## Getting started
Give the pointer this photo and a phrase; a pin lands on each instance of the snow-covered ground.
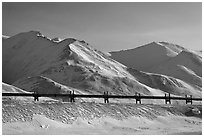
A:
(98, 118)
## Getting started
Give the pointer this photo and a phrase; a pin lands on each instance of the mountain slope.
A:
(186, 66)
(173, 60)
(189, 60)
(166, 83)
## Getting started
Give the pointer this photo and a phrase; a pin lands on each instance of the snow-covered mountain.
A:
(69, 62)
(164, 58)
(142, 58)
(33, 62)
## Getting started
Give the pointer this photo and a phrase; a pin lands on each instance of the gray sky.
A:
(109, 26)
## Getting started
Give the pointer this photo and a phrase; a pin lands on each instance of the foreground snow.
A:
(133, 125)
(49, 117)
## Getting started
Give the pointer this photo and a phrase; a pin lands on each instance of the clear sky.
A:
(108, 26)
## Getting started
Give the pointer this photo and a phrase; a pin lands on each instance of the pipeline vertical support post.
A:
(138, 98)
(106, 97)
(165, 98)
(72, 97)
(168, 99)
(191, 100)
(187, 99)
(36, 97)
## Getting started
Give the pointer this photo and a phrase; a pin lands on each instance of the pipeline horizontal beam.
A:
(99, 96)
